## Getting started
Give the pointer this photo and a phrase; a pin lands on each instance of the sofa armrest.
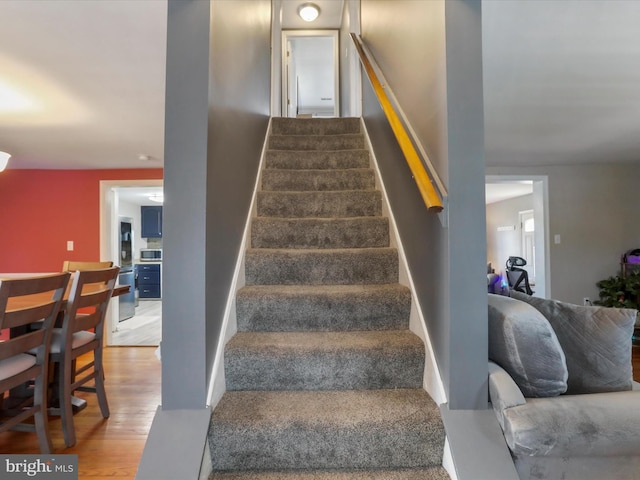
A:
(503, 391)
(595, 424)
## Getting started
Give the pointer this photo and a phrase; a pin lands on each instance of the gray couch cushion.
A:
(595, 340)
(522, 342)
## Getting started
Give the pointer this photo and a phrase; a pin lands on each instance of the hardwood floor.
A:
(107, 448)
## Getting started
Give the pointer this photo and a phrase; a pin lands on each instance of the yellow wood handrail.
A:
(425, 186)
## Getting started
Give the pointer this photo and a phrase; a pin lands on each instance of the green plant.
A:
(620, 291)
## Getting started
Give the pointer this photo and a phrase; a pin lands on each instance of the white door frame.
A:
(286, 36)
(289, 82)
(109, 224)
(530, 267)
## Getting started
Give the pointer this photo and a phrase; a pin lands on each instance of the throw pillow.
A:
(522, 342)
(595, 340)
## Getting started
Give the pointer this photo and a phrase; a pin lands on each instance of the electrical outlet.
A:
(586, 301)
(69, 245)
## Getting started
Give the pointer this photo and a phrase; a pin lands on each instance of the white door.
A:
(290, 78)
(310, 82)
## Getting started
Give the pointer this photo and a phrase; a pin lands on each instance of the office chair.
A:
(517, 277)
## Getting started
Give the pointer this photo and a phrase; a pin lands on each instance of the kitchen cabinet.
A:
(149, 280)
(151, 219)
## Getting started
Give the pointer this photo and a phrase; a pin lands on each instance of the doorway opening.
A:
(123, 199)
(310, 73)
(520, 203)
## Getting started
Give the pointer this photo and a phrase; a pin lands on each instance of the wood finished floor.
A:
(107, 448)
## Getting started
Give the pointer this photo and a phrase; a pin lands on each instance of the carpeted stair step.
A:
(333, 429)
(348, 141)
(316, 159)
(321, 266)
(318, 180)
(314, 126)
(347, 203)
(290, 308)
(324, 360)
(430, 473)
(354, 232)
(324, 379)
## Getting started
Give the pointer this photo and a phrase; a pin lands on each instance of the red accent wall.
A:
(41, 209)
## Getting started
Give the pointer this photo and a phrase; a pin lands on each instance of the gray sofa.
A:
(561, 386)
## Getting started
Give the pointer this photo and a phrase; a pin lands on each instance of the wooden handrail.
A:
(425, 186)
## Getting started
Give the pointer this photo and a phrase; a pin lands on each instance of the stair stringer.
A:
(432, 380)
(217, 384)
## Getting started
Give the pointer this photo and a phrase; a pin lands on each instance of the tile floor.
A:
(143, 329)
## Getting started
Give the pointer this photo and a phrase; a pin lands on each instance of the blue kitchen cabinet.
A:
(151, 219)
(149, 280)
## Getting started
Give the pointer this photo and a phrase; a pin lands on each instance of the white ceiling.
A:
(561, 81)
(560, 78)
(499, 191)
(92, 74)
(138, 195)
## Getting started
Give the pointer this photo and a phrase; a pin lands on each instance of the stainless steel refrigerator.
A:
(127, 275)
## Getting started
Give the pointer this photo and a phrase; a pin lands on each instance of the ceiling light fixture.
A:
(157, 197)
(308, 11)
(4, 159)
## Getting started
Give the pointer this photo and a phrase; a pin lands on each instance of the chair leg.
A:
(66, 411)
(40, 417)
(100, 390)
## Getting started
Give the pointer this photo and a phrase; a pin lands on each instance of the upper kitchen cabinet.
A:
(151, 219)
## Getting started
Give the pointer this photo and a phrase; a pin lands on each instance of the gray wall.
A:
(218, 81)
(430, 53)
(594, 210)
(239, 101)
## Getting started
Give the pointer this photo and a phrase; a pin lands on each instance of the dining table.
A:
(37, 299)
(32, 300)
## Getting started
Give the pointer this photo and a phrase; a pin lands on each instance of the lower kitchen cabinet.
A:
(149, 280)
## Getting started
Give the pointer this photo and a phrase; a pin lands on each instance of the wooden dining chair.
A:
(72, 266)
(82, 333)
(25, 356)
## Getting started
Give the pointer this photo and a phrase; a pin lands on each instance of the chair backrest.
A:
(71, 266)
(519, 280)
(91, 291)
(24, 301)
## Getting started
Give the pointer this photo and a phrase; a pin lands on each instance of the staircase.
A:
(324, 378)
